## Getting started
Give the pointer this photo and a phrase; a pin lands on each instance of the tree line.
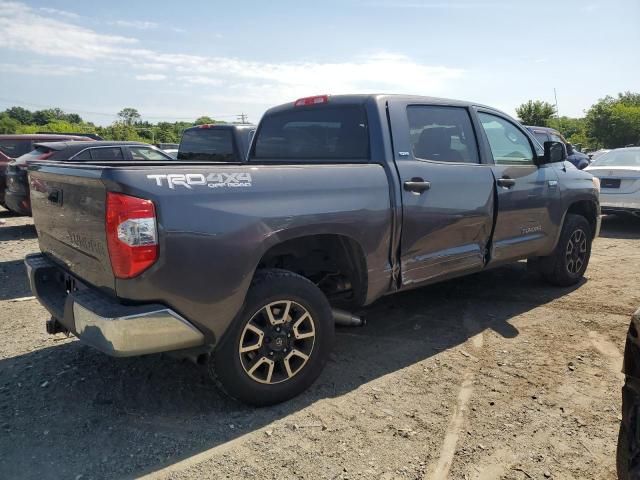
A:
(128, 126)
(611, 122)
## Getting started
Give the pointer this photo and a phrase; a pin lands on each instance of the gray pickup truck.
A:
(342, 200)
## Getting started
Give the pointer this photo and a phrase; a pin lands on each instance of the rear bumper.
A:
(621, 210)
(623, 202)
(100, 321)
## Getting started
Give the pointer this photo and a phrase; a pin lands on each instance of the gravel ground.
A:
(496, 375)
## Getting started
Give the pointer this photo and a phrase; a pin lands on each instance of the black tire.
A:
(231, 368)
(622, 454)
(558, 268)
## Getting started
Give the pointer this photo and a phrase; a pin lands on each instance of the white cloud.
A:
(23, 28)
(152, 77)
(200, 80)
(61, 13)
(43, 69)
(139, 24)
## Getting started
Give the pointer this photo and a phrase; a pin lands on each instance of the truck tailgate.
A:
(69, 213)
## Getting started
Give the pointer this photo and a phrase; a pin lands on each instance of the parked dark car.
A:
(17, 193)
(14, 146)
(216, 143)
(546, 134)
(343, 199)
(628, 453)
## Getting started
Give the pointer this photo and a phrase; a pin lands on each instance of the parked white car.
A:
(619, 174)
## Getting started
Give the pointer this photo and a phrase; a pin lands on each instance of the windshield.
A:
(15, 148)
(619, 158)
(207, 144)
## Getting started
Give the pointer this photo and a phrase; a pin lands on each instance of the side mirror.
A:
(569, 149)
(553, 152)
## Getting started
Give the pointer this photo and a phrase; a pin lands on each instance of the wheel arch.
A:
(336, 263)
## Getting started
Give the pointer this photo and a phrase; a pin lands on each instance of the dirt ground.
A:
(496, 375)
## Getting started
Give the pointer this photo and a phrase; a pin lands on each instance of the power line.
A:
(242, 117)
(112, 115)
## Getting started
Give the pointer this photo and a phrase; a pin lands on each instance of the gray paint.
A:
(212, 239)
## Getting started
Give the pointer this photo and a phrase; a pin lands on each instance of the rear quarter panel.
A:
(212, 238)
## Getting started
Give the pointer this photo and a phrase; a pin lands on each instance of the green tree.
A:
(8, 124)
(204, 120)
(129, 115)
(535, 113)
(20, 114)
(615, 122)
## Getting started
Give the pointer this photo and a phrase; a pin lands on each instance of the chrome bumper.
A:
(98, 320)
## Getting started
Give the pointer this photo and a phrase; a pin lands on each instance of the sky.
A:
(181, 60)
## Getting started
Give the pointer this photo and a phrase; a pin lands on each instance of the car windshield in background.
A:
(207, 144)
(146, 153)
(15, 148)
(321, 133)
(541, 137)
(619, 158)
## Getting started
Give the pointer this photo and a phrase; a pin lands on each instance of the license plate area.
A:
(609, 183)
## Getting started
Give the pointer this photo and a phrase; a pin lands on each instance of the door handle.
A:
(417, 185)
(54, 196)
(506, 182)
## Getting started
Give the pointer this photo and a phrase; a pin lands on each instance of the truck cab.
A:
(216, 142)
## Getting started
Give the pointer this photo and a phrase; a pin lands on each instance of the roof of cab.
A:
(360, 99)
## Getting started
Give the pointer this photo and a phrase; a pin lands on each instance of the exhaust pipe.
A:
(347, 319)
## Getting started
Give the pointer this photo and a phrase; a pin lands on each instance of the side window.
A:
(442, 134)
(146, 153)
(509, 145)
(82, 156)
(107, 154)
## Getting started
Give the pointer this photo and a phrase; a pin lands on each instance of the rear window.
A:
(207, 144)
(15, 148)
(316, 133)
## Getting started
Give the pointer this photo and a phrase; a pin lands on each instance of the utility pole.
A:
(242, 117)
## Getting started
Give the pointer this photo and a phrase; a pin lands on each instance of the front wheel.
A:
(568, 262)
(279, 343)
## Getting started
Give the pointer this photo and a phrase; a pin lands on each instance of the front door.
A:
(526, 193)
(447, 194)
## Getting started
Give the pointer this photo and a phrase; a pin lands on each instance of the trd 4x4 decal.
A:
(211, 180)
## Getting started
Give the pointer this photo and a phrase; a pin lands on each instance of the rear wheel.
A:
(280, 342)
(568, 262)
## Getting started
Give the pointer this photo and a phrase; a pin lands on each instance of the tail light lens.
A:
(306, 101)
(132, 236)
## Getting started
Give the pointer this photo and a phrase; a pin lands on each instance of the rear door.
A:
(528, 196)
(447, 193)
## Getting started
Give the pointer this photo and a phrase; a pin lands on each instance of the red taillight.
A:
(207, 125)
(132, 237)
(301, 102)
